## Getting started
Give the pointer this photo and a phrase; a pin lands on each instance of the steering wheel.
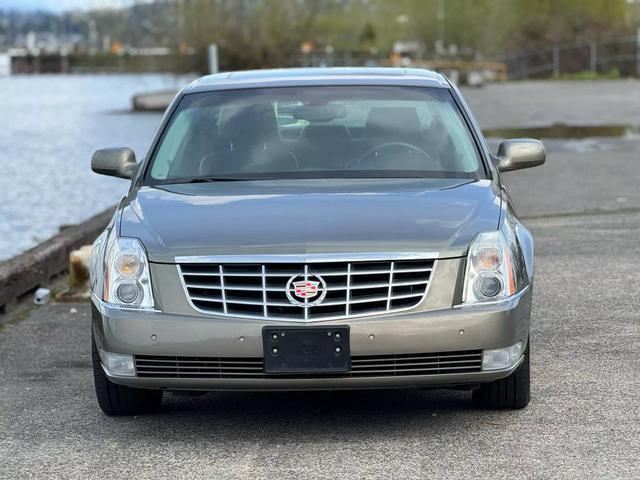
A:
(375, 152)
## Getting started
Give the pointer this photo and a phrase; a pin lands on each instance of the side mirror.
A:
(520, 153)
(115, 162)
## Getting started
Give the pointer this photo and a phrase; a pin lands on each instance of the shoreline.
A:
(22, 274)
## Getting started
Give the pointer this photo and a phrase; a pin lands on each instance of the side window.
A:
(169, 147)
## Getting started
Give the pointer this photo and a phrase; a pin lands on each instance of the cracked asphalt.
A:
(583, 420)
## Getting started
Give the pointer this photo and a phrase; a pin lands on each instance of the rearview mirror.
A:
(115, 162)
(320, 113)
(520, 153)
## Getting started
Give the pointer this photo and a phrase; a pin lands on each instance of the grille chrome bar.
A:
(306, 258)
(265, 308)
(224, 300)
(390, 289)
(332, 289)
(306, 300)
(317, 272)
(353, 288)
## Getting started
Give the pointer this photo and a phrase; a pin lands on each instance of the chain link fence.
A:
(620, 56)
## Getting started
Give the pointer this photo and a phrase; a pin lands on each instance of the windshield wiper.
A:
(213, 179)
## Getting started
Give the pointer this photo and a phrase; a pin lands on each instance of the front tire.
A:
(512, 392)
(117, 399)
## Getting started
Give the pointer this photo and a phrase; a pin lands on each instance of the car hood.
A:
(310, 217)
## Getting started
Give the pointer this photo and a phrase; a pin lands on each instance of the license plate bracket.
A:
(306, 350)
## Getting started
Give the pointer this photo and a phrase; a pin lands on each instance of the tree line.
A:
(272, 33)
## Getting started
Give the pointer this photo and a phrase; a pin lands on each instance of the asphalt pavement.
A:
(542, 103)
(583, 421)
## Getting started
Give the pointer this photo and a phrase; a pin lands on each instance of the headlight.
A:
(490, 272)
(127, 280)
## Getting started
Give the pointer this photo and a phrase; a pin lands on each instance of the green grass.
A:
(588, 75)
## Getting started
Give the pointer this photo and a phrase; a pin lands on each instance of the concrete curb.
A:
(153, 101)
(33, 268)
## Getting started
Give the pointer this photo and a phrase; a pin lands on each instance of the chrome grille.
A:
(417, 364)
(352, 288)
(196, 367)
(361, 366)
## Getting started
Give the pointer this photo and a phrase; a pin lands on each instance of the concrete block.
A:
(26, 272)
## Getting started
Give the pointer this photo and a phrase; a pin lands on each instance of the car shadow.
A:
(349, 414)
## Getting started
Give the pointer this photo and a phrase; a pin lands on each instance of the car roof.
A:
(288, 77)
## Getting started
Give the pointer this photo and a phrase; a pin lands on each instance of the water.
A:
(564, 131)
(49, 126)
(562, 137)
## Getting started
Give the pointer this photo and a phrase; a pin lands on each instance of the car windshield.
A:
(316, 132)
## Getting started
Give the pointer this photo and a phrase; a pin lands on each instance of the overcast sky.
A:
(61, 5)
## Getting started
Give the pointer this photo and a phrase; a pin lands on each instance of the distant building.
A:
(5, 64)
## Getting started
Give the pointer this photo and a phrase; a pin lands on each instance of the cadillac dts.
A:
(312, 229)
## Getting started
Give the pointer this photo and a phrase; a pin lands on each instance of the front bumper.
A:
(446, 330)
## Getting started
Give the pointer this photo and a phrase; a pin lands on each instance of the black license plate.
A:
(309, 350)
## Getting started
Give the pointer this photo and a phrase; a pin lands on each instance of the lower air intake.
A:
(362, 366)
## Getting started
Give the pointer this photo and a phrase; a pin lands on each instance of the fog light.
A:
(129, 292)
(117, 364)
(502, 357)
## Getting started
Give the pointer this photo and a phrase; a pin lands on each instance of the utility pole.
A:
(634, 4)
(638, 52)
(212, 53)
(593, 57)
(180, 14)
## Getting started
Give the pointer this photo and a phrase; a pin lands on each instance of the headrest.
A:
(251, 123)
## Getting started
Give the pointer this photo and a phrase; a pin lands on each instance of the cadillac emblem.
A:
(306, 291)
